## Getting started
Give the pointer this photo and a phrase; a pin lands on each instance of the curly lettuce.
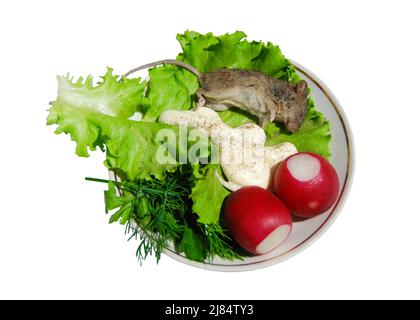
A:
(170, 88)
(98, 116)
(208, 194)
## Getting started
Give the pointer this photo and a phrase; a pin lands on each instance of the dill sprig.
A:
(159, 212)
(220, 244)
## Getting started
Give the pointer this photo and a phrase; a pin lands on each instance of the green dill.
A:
(220, 244)
(158, 213)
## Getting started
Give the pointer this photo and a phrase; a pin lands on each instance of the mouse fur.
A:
(267, 98)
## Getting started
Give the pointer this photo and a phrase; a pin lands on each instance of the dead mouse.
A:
(255, 92)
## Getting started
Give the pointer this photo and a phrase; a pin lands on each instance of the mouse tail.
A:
(178, 63)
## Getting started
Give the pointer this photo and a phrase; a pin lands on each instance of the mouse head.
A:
(297, 106)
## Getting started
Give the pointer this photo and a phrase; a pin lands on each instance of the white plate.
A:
(304, 232)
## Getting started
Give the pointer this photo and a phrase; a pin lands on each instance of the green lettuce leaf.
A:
(207, 194)
(112, 199)
(170, 88)
(112, 96)
(208, 52)
(96, 116)
(193, 245)
(235, 117)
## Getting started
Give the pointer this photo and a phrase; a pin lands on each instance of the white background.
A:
(55, 241)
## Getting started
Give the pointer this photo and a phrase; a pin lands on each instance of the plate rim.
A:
(348, 181)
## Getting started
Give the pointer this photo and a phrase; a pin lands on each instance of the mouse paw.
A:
(200, 100)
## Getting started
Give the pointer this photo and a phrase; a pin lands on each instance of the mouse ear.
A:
(301, 86)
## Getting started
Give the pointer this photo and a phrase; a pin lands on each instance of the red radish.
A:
(257, 219)
(307, 183)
